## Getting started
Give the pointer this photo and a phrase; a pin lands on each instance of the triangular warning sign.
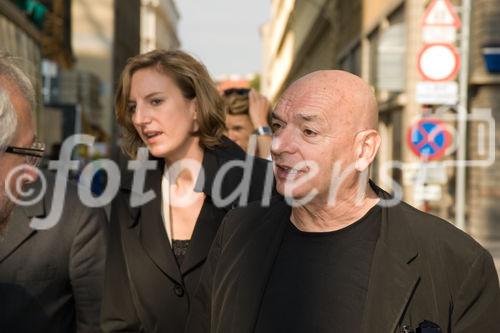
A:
(441, 13)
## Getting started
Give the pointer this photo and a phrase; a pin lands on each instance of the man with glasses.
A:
(50, 280)
(17, 135)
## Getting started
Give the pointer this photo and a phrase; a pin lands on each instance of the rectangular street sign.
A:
(424, 173)
(437, 93)
(428, 193)
(439, 34)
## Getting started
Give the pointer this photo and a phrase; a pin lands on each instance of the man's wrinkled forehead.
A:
(300, 99)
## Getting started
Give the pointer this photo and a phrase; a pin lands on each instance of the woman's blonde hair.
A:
(193, 80)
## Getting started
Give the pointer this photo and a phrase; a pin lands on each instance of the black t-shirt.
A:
(320, 280)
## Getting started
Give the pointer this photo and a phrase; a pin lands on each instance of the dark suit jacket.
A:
(423, 269)
(51, 280)
(145, 291)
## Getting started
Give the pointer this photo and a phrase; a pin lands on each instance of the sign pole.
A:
(460, 184)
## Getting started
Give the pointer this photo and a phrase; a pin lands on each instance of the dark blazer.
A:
(145, 291)
(51, 280)
(423, 269)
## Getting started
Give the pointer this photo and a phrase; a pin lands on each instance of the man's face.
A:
(309, 130)
(12, 171)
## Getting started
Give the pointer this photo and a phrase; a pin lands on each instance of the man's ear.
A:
(367, 143)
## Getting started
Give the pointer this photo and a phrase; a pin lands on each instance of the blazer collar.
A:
(394, 274)
(18, 228)
(213, 160)
(151, 230)
(203, 234)
(211, 216)
(395, 231)
(258, 261)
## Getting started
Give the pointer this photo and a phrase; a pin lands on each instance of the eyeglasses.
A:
(238, 91)
(33, 155)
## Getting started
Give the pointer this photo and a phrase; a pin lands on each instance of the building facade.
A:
(159, 20)
(92, 39)
(34, 33)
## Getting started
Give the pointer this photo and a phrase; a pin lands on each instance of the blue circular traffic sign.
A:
(429, 139)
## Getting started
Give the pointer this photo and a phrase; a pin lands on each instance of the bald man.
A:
(335, 253)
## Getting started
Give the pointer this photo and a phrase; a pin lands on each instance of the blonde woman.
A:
(167, 103)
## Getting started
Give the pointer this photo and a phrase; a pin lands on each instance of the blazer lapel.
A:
(152, 232)
(394, 275)
(18, 229)
(258, 260)
(203, 235)
(210, 216)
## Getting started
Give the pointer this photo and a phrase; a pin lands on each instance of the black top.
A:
(320, 279)
(180, 247)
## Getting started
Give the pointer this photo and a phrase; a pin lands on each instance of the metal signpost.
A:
(462, 117)
(439, 63)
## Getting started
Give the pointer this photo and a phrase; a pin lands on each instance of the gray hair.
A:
(8, 120)
(12, 73)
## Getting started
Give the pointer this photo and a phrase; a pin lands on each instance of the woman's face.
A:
(161, 115)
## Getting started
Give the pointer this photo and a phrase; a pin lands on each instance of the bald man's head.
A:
(349, 99)
(327, 121)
